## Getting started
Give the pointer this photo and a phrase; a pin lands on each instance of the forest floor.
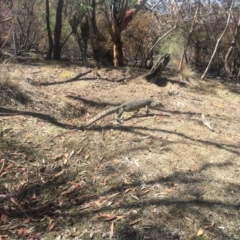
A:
(165, 175)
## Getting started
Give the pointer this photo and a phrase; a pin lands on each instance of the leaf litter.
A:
(155, 171)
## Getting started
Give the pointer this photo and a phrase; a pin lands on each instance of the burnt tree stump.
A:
(154, 74)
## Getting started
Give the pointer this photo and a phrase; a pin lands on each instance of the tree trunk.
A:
(84, 36)
(121, 16)
(227, 67)
(117, 45)
(57, 31)
(154, 74)
(15, 43)
(94, 22)
(188, 42)
(218, 41)
(118, 53)
(50, 40)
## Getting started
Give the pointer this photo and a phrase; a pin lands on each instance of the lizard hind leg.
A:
(136, 112)
(147, 110)
(120, 112)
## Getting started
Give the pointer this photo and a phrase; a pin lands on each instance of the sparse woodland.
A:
(198, 34)
(173, 173)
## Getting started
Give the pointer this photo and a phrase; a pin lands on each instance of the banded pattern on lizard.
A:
(130, 106)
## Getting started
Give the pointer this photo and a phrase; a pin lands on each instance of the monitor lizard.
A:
(130, 106)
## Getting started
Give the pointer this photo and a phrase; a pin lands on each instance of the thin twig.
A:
(2, 165)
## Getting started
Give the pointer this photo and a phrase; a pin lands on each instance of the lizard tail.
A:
(101, 115)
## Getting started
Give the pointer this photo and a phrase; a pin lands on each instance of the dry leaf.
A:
(126, 181)
(218, 106)
(59, 237)
(59, 173)
(22, 232)
(117, 161)
(206, 122)
(160, 149)
(58, 156)
(93, 179)
(200, 232)
(189, 219)
(65, 161)
(72, 152)
(87, 155)
(99, 204)
(154, 210)
(27, 220)
(112, 230)
(144, 192)
(51, 226)
(104, 182)
(4, 218)
(209, 225)
(71, 189)
(169, 190)
(109, 217)
(4, 173)
(9, 166)
(14, 201)
(91, 235)
(135, 221)
(213, 234)
(113, 195)
(37, 235)
(79, 151)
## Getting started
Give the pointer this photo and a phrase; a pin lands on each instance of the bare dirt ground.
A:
(159, 176)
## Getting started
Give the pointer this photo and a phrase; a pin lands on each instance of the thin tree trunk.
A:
(50, 40)
(188, 41)
(147, 51)
(230, 50)
(94, 22)
(218, 41)
(15, 44)
(57, 31)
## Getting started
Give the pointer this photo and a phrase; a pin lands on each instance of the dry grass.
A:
(13, 90)
(162, 176)
(187, 74)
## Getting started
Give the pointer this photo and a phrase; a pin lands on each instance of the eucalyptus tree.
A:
(118, 19)
(69, 11)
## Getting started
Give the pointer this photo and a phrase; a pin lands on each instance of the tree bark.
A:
(57, 31)
(94, 22)
(117, 45)
(50, 40)
(120, 18)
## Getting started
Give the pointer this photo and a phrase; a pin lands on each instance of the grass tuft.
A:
(187, 74)
(13, 91)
